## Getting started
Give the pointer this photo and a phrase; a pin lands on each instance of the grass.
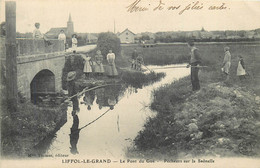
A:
(212, 55)
(26, 128)
(211, 122)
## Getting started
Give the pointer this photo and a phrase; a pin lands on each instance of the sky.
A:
(94, 16)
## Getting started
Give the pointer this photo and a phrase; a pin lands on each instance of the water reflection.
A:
(113, 132)
(89, 98)
(74, 133)
(105, 97)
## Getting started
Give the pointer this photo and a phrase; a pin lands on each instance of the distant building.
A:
(127, 36)
(69, 30)
(249, 34)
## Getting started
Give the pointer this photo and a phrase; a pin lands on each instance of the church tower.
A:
(70, 27)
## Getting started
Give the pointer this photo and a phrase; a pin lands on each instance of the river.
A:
(109, 136)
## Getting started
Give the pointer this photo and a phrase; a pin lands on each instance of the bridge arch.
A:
(42, 83)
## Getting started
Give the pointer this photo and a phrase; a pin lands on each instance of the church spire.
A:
(70, 27)
(70, 20)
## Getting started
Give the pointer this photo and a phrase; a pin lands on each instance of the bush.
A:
(72, 63)
(108, 41)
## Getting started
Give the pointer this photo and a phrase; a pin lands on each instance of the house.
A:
(250, 34)
(127, 36)
(69, 30)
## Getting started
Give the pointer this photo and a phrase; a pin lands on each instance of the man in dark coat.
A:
(195, 60)
(134, 56)
(72, 90)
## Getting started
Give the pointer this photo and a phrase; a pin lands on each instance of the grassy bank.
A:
(23, 130)
(222, 119)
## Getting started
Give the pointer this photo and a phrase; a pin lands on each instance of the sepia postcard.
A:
(130, 83)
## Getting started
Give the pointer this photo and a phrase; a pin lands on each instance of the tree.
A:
(108, 41)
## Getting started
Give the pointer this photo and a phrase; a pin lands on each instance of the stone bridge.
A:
(39, 66)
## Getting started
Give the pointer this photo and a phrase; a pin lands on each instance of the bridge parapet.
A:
(26, 46)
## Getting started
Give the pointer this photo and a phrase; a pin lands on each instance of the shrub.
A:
(108, 41)
(72, 63)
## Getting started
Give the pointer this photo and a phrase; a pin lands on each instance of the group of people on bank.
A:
(241, 69)
(195, 61)
(96, 65)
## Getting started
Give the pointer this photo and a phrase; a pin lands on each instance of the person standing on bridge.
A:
(62, 37)
(195, 60)
(74, 43)
(72, 89)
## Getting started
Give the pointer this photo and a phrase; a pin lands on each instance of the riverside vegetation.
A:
(222, 119)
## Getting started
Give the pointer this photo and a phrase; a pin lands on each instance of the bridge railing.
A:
(26, 46)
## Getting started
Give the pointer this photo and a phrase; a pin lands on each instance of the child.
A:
(241, 72)
(87, 66)
(139, 62)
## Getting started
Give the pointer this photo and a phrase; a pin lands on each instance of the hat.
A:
(71, 75)
(226, 48)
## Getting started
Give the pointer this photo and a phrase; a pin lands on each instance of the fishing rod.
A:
(181, 67)
(86, 90)
(98, 117)
(143, 65)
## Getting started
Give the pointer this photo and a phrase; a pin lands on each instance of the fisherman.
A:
(226, 63)
(195, 60)
(139, 62)
(134, 56)
(72, 89)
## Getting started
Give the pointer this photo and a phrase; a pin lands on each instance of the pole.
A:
(11, 64)
(180, 67)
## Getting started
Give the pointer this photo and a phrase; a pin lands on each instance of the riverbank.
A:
(220, 120)
(24, 130)
(213, 122)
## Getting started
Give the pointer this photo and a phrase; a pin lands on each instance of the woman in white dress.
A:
(111, 71)
(241, 71)
(87, 66)
(74, 43)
